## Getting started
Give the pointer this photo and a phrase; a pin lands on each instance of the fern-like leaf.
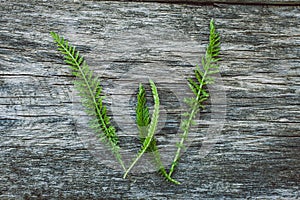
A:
(143, 118)
(143, 121)
(151, 128)
(203, 77)
(142, 111)
(90, 91)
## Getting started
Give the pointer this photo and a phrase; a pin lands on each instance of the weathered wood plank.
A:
(43, 152)
(258, 2)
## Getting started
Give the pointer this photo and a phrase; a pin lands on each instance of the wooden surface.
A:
(253, 2)
(42, 152)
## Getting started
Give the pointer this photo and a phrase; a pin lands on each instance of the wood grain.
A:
(43, 154)
(216, 2)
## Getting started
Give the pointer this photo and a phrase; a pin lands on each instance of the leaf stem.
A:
(203, 78)
(186, 131)
(87, 84)
(151, 129)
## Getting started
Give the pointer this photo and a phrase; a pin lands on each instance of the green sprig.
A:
(151, 128)
(143, 121)
(143, 117)
(203, 77)
(90, 92)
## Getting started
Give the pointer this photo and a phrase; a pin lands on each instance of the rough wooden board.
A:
(42, 155)
(216, 2)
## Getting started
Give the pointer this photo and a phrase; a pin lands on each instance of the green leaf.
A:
(89, 89)
(143, 120)
(151, 129)
(203, 77)
(142, 111)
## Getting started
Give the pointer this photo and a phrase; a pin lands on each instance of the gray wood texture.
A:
(44, 153)
(258, 2)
